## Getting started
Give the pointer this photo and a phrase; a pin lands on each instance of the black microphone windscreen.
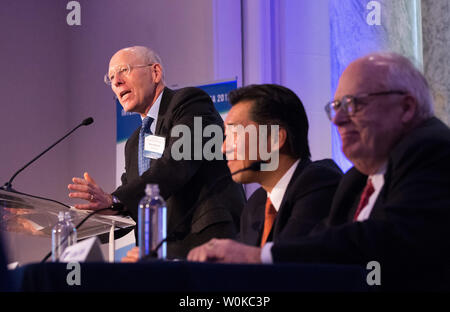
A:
(87, 121)
(256, 166)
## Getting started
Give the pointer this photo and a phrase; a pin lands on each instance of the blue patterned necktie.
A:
(144, 162)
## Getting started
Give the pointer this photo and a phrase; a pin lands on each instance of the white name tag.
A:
(87, 250)
(154, 146)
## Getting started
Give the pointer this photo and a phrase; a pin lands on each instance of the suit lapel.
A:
(163, 110)
(131, 153)
(298, 171)
(257, 220)
(346, 197)
(133, 141)
(284, 211)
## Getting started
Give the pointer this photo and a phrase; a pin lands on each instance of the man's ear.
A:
(282, 137)
(409, 108)
(157, 73)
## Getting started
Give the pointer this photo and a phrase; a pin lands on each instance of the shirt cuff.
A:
(266, 253)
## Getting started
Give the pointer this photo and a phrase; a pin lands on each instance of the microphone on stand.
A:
(8, 185)
(256, 166)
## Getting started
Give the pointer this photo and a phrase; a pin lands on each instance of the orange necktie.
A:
(269, 218)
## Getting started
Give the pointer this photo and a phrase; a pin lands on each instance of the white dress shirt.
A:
(377, 182)
(277, 194)
(153, 112)
(276, 197)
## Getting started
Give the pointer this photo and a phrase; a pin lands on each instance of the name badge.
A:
(154, 146)
(85, 251)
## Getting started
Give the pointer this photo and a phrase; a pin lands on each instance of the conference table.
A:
(183, 277)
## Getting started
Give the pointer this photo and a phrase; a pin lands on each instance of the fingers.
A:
(82, 195)
(207, 252)
(77, 187)
(85, 189)
(90, 206)
(133, 252)
(132, 255)
(89, 179)
(79, 181)
(80, 186)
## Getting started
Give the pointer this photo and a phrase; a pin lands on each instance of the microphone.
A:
(8, 185)
(87, 121)
(256, 166)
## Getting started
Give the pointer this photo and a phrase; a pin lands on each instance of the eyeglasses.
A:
(349, 103)
(122, 70)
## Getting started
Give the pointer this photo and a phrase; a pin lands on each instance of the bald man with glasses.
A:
(136, 77)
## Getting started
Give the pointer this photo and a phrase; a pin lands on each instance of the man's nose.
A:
(224, 147)
(228, 148)
(341, 117)
(117, 80)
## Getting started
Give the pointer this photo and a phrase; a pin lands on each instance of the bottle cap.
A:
(152, 189)
(61, 216)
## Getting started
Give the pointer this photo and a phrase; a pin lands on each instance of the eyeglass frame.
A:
(336, 105)
(129, 67)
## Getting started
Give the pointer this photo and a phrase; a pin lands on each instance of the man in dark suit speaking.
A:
(393, 207)
(136, 77)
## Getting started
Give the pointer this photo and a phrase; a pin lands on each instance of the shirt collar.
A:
(380, 172)
(277, 194)
(378, 178)
(153, 112)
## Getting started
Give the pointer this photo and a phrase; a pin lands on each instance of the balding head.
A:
(136, 77)
(142, 54)
(392, 71)
(389, 97)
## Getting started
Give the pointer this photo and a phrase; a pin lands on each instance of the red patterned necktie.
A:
(269, 219)
(368, 190)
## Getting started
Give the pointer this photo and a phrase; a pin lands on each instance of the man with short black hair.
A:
(295, 193)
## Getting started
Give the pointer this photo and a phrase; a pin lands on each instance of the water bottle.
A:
(152, 222)
(64, 234)
(71, 230)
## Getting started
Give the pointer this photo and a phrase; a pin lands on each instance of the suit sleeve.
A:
(169, 173)
(415, 204)
(311, 201)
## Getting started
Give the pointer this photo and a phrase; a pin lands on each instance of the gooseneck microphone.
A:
(256, 166)
(8, 185)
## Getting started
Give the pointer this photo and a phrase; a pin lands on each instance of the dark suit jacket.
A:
(183, 182)
(410, 221)
(305, 203)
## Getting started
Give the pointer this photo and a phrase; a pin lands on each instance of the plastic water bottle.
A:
(152, 222)
(71, 229)
(64, 234)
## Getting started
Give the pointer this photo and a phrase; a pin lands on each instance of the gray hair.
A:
(403, 75)
(149, 56)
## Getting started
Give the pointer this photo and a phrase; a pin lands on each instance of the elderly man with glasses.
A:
(136, 77)
(393, 206)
